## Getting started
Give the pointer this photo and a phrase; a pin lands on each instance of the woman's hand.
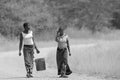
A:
(20, 53)
(37, 51)
(69, 53)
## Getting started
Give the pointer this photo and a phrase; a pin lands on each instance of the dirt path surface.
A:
(12, 68)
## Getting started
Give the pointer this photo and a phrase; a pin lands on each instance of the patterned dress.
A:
(62, 55)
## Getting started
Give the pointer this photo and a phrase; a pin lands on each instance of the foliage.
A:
(48, 15)
(116, 20)
(13, 13)
(91, 14)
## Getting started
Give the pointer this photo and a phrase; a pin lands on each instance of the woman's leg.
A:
(63, 69)
(58, 60)
(64, 63)
(28, 58)
(68, 71)
(31, 56)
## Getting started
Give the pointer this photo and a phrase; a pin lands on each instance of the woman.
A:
(62, 54)
(27, 41)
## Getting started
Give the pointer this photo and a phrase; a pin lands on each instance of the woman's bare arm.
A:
(56, 38)
(35, 45)
(68, 46)
(20, 44)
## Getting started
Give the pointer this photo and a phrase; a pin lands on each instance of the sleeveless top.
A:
(27, 38)
(62, 41)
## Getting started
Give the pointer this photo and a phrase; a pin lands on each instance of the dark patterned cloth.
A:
(28, 58)
(62, 61)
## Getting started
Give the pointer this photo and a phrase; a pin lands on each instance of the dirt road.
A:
(12, 68)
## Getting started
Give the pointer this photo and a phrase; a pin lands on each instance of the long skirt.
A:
(28, 58)
(62, 61)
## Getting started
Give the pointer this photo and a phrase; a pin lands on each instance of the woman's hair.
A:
(25, 24)
(60, 29)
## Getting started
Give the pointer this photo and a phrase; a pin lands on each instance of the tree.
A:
(91, 14)
(116, 20)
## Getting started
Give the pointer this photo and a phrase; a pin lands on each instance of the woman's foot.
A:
(29, 76)
(68, 73)
(63, 76)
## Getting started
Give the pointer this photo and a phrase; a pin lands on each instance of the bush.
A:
(50, 14)
(116, 20)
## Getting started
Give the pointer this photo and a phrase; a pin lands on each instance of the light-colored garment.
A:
(62, 41)
(27, 38)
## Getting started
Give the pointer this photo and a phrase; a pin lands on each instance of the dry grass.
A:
(99, 58)
(13, 45)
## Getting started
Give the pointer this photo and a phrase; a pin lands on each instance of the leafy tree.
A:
(116, 20)
(91, 14)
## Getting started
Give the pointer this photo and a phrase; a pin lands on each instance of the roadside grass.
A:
(76, 37)
(101, 58)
